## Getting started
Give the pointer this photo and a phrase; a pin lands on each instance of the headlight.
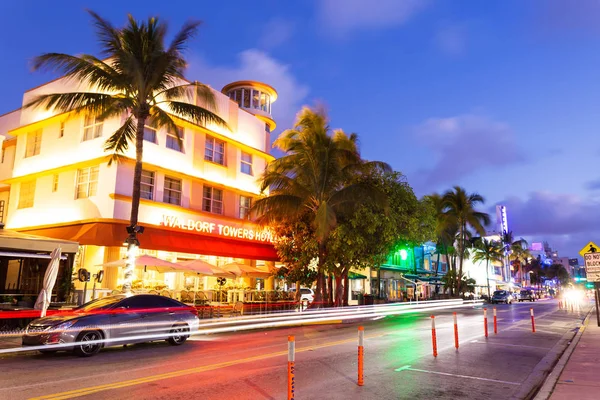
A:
(65, 325)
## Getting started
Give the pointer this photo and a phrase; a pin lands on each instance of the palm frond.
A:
(109, 37)
(276, 208)
(94, 103)
(118, 142)
(196, 114)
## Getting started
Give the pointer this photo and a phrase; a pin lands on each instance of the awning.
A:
(354, 275)
(160, 238)
(16, 241)
(15, 254)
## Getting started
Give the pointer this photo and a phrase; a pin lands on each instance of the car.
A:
(526, 294)
(306, 295)
(111, 321)
(502, 296)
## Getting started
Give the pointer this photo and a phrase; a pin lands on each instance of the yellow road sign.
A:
(591, 247)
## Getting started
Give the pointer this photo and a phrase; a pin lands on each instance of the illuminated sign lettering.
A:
(255, 234)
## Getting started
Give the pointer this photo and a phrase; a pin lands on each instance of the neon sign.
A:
(237, 232)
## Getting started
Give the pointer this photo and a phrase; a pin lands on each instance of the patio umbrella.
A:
(245, 271)
(43, 300)
(200, 267)
(149, 263)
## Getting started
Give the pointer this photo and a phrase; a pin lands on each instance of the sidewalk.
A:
(579, 379)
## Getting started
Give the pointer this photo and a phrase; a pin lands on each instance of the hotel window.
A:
(212, 200)
(150, 131)
(62, 130)
(215, 150)
(246, 163)
(172, 192)
(245, 204)
(246, 103)
(173, 142)
(147, 185)
(26, 194)
(34, 143)
(92, 128)
(87, 182)
(54, 183)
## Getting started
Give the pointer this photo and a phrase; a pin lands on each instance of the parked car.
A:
(114, 320)
(526, 294)
(502, 296)
(306, 295)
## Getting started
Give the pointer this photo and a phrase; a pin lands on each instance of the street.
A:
(252, 365)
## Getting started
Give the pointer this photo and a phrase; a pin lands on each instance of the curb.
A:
(544, 370)
(548, 386)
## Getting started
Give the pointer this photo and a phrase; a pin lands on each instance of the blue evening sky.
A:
(499, 96)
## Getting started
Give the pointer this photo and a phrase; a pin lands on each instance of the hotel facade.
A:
(56, 181)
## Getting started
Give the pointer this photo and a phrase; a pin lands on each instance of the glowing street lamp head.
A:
(403, 254)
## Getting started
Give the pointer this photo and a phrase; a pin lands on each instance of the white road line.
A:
(511, 345)
(408, 368)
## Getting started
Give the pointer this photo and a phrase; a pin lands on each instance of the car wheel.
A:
(87, 349)
(178, 335)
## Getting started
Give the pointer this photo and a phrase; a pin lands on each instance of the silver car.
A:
(111, 321)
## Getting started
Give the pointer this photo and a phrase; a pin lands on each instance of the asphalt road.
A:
(253, 365)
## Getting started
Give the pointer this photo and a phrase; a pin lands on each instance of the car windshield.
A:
(100, 304)
(499, 292)
(524, 291)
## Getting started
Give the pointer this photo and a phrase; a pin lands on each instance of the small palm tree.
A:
(315, 178)
(519, 256)
(510, 243)
(489, 251)
(140, 79)
(460, 211)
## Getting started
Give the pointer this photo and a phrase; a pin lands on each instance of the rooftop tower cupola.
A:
(254, 97)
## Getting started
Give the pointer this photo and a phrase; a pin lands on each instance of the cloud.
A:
(566, 221)
(560, 16)
(276, 32)
(340, 17)
(593, 185)
(260, 66)
(464, 144)
(451, 40)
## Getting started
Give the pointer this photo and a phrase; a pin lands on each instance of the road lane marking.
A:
(175, 374)
(408, 368)
(512, 345)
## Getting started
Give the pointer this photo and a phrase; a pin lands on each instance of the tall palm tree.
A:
(314, 177)
(509, 243)
(460, 211)
(444, 231)
(488, 251)
(139, 79)
(519, 256)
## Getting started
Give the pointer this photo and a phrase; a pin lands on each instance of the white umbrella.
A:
(243, 270)
(149, 263)
(43, 300)
(201, 267)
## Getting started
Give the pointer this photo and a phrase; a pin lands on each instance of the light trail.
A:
(273, 322)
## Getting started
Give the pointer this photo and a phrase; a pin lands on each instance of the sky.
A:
(501, 97)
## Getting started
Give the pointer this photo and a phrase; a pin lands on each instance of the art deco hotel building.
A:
(56, 182)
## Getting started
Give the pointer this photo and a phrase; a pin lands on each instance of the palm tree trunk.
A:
(135, 204)
(487, 277)
(329, 290)
(461, 256)
(339, 291)
(320, 292)
(346, 287)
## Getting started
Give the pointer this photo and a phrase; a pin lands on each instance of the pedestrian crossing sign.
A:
(591, 247)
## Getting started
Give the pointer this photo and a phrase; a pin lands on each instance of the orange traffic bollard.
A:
(433, 336)
(291, 372)
(495, 322)
(532, 321)
(485, 327)
(455, 331)
(361, 355)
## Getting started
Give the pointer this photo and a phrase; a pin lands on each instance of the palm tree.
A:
(509, 243)
(460, 211)
(488, 251)
(139, 79)
(314, 177)
(519, 256)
